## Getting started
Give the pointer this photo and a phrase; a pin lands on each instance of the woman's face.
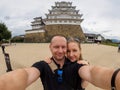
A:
(73, 51)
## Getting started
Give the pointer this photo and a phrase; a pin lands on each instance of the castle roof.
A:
(63, 11)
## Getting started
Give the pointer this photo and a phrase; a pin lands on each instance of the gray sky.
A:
(100, 16)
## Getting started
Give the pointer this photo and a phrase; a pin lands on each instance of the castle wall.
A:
(35, 37)
(63, 19)
(66, 30)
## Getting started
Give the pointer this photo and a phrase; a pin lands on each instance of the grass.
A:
(110, 44)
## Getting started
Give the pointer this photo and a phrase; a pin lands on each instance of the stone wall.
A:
(35, 37)
(66, 30)
(51, 30)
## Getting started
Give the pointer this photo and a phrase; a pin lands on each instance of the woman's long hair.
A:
(75, 40)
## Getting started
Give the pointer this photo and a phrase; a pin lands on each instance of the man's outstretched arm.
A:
(33, 74)
(18, 79)
(99, 76)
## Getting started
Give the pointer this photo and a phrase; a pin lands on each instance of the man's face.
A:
(58, 47)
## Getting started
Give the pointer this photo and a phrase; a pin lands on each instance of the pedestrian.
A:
(3, 48)
(119, 47)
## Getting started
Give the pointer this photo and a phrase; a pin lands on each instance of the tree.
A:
(4, 32)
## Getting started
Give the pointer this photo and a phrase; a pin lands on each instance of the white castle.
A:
(63, 13)
(63, 19)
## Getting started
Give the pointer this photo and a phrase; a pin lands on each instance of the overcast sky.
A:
(100, 16)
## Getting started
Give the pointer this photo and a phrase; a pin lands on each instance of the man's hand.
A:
(83, 62)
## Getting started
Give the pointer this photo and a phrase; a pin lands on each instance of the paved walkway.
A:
(24, 55)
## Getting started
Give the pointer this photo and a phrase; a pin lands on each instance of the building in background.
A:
(93, 38)
(37, 33)
(63, 19)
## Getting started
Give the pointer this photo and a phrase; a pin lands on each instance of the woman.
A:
(74, 54)
(74, 50)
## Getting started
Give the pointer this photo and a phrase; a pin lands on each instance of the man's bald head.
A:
(58, 39)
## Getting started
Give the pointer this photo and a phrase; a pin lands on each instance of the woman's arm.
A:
(48, 60)
(84, 83)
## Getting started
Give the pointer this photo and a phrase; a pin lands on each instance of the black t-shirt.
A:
(67, 80)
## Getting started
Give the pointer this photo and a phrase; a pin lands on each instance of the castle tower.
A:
(64, 19)
(37, 33)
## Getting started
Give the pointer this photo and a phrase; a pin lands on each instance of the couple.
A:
(74, 55)
(65, 77)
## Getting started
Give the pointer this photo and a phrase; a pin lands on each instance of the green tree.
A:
(4, 32)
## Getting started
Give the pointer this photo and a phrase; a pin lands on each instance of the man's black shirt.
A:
(70, 77)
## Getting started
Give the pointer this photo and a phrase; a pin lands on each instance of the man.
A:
(59, 78)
